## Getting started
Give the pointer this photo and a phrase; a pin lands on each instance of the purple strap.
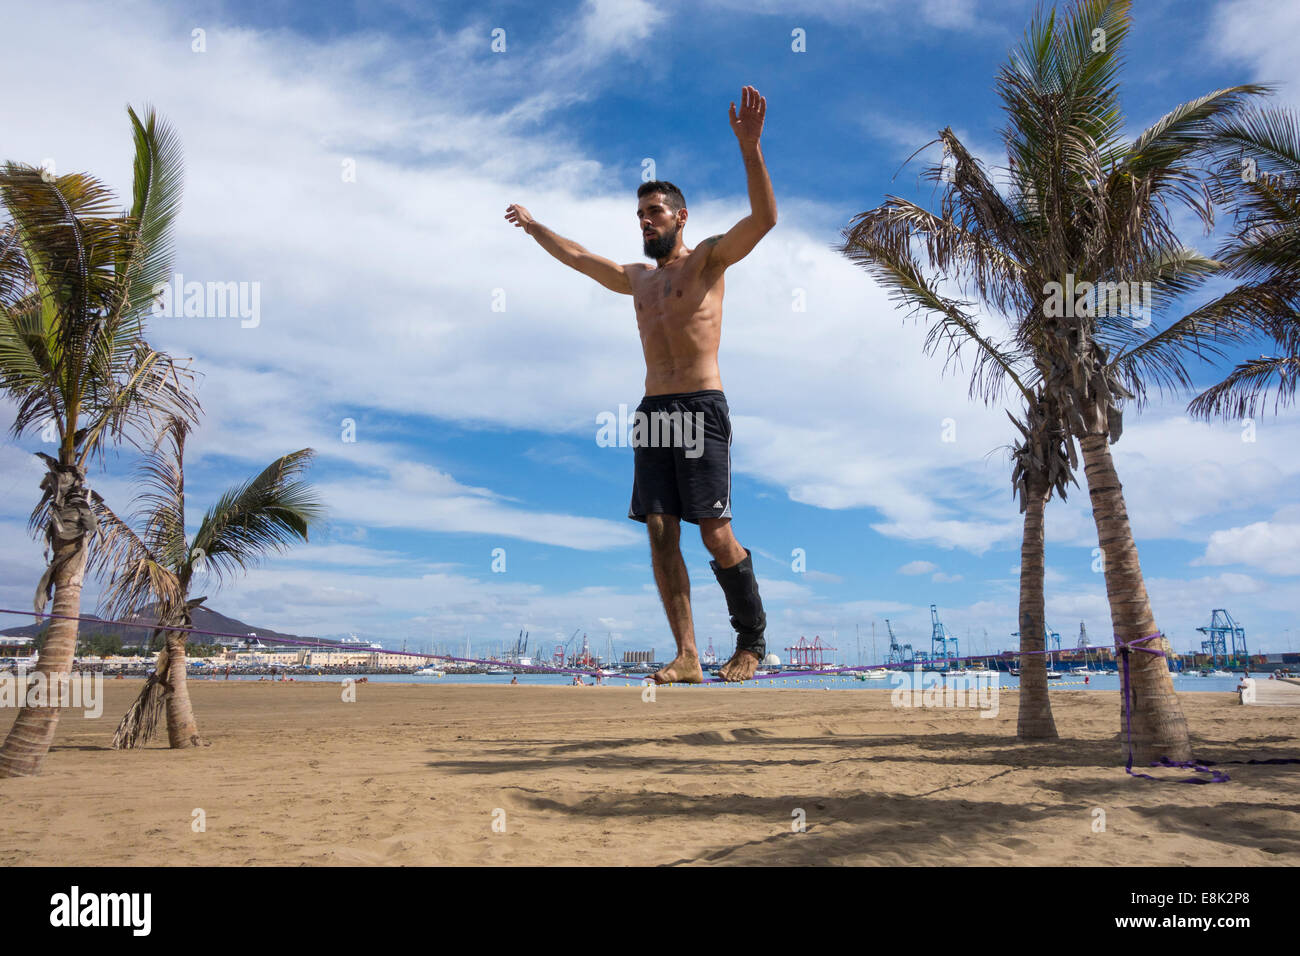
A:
(1125, 649)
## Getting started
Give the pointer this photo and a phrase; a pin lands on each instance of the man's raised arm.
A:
(728, 249)
(609, 274)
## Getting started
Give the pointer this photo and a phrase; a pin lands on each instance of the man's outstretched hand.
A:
(519, 216)
(748, 126)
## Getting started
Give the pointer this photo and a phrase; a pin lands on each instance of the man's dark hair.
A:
(676, 201)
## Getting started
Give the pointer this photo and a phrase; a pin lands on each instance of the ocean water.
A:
(1109, 682)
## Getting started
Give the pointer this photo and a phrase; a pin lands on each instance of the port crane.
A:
(941, 645)
(898, 653)
(1224, 631)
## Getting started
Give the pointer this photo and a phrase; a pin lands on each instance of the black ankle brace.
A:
(743, 603)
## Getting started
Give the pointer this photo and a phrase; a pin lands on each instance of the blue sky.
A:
(475, 428)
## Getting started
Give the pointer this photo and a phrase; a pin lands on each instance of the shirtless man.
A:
(679, 315)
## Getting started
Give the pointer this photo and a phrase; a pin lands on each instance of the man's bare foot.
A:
(684, 669)
(741, 666)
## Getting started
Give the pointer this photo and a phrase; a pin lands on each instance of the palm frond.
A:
(1238, 395)
(1268, 136)
(266, 513)
(1190, 129)
(140, 387)
(139, 577)
(881, 248)
(996, 276)
(145, 256)
(161, 501)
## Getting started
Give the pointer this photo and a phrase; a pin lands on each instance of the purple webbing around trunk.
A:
(1125, 649)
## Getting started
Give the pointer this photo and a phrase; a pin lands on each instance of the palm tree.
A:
(153, 568)
(1259, 175)
(76, 284)
(1044, 462)
(1082, 203)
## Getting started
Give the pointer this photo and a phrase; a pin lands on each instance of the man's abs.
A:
(680, 330)
(666, 378)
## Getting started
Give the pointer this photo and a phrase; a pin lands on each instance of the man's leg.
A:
(735, 573)
(675, 591)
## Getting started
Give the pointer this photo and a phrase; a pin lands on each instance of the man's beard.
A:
(660, 246)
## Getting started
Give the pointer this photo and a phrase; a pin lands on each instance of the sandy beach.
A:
(418, 774)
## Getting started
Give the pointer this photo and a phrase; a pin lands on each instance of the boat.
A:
(1218, 673)
(876, 673)
(430, 672)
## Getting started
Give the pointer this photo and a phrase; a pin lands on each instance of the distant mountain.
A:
(204, 620)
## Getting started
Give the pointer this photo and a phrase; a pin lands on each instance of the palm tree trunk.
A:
(32, 734)
(1158, 725)
(182, 731)
(1035, 714)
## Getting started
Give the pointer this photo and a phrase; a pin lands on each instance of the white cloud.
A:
(1255, 31)
(918, 567)
(1269, 546)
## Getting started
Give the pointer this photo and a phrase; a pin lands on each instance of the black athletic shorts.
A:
(682, 449)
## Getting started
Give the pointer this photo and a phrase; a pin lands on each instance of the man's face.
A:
(658, 224)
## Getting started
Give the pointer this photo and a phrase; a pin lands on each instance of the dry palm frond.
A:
(140, 722)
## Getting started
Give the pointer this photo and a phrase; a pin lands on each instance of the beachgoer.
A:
(682, 429)
(514, 680)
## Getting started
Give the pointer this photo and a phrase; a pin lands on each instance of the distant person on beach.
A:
(514, 680)
(683, 458)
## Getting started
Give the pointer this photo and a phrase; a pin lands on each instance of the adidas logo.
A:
(717, 504)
